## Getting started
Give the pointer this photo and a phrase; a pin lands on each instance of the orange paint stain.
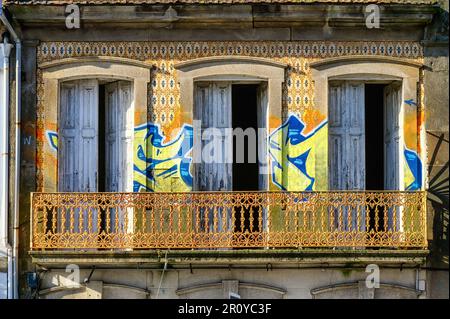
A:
(410, 131)
(312, 118)
(274, 123)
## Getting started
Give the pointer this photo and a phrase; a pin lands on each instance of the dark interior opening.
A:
(374, 136)
(244, 114)
(101, 183)
(245, 175)
(374, 123)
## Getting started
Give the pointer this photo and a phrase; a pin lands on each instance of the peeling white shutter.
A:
(88, 148)
(262, 104)
(78, 148)
(392, 147)
(112, 137)
(68, 138)
(393, 150)
(263, 181)
(119, 149)
(346, 147)
(203, 100)
(119, 137)
(346, 136)
(126, 136)
(213, 109)
(78, 136)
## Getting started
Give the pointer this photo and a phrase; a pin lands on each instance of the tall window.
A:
(364, 136)
(96, 122)
(365, 147)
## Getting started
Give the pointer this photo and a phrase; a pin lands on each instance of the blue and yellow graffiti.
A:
(53, 140)
(166, 166)
(413, 171)
(293, 157)
(293, 154)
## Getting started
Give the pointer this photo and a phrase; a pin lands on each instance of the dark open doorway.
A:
(374, 124)
(101, 139)
(245, 111)
(101, 152)
(246, 174)
(374, 136)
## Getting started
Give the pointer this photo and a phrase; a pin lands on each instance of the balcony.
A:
(213, 220)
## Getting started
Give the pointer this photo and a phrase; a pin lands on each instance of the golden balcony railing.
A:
(228, 220)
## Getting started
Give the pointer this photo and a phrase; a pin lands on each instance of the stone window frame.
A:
(58, 71)
(231, 68)
(238, 69)
(363, 292)
(368, 69)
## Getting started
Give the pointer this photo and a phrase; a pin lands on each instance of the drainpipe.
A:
(4, 160)
(15, 250)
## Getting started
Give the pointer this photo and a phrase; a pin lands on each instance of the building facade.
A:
(110, 195)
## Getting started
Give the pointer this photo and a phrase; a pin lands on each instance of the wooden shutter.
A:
(119, 137)
(89, 135)
(78, 148)
(393, 150)
(213, 110)
(118, 147)
(126, 126)
(346, 136)
(392, 147)
(78, 141)
(346, 147)
(68, 138)
(262, 104)
(111, 138)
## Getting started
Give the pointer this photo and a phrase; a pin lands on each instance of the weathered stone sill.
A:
(271, 258)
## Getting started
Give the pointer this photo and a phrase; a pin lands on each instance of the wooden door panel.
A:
(392, 134)
(213, 110)
(346, 136)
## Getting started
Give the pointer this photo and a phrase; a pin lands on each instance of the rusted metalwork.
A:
(228, 220)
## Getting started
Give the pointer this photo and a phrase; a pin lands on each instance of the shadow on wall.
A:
(438, 193)
(437, 140)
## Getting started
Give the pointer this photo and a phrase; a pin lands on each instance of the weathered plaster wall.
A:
(437, 137)
(28, 166)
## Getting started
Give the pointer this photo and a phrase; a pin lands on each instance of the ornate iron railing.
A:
(228, 220)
